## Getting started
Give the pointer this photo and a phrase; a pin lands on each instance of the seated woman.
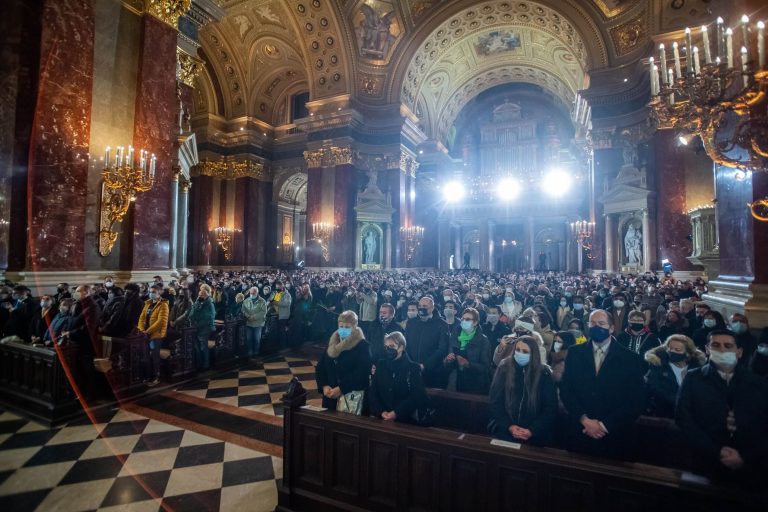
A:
(469, 357)
(523, 401)
(345, 366)
(397, 391)
(669, 363)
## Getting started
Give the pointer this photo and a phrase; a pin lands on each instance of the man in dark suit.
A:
(602, 389)
(425, 335)
(380, 329)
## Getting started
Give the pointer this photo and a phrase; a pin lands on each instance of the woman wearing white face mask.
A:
(510, 308)
(523, 399)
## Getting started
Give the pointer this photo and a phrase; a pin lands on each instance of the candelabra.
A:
(411, 236)
(123, 180)
(224, 237)
(583, 231)
(323, 233)
(725, 104)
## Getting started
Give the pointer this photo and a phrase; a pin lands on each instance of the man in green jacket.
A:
(255, 313)
(201, 317)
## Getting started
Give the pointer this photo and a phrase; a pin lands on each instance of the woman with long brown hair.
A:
(523, 400)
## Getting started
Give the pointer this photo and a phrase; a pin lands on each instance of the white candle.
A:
(142, 161)
(744, 30)
(106, 157)
(119, 162)
(129, 163)
(688, 51)
(729, 47)
(720, 38)
(652, 68)
(761, 44)
(705, 42)
(671, 81)
(152, 167)
(696, 62)
(663, 63)
(745, 76)
(655, 81)
(676, 53)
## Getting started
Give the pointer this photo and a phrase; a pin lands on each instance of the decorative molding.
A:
(615, 8)
(371, 85)
(628, 36)
(408, 164)
(376, 161)
(168, 11)
(328, 157)
(226, 169)
(188, 68)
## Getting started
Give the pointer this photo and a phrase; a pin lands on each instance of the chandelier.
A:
(323, 233)
(583, 231)
(123, 180)
(411, 237)
(224, 237)
(723, 101)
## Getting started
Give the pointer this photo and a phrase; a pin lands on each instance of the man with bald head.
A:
(426, 336)
(602, 389)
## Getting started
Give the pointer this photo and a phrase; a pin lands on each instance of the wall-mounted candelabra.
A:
(722, 101)
(411, 237)
(123, 179)
(323, 233)
(224, 238)
(583, 231)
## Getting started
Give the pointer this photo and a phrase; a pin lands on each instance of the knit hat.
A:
(524, 322)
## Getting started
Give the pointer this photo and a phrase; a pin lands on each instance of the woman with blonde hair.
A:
(343, 371)
(669, 364)
(523, 400)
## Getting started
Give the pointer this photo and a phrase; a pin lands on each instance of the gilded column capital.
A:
(184, 185)
(167, 11)
(231, 170)
(187, 67)
(175, 173)
(408, 164)
(328, 156)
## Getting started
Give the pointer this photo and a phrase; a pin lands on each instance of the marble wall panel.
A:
(396, 183)
(345, 196)
(239, 213)
(672, 223)
(59, 146)
(155, 130)
(200, 202)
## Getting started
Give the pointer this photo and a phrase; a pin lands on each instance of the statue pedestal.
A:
(373, 236)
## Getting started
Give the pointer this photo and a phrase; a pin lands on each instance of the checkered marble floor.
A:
(121, 460)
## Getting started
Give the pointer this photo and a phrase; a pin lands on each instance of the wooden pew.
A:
(33, 381)
(335, 461)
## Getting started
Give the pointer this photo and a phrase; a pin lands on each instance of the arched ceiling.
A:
(489, 44)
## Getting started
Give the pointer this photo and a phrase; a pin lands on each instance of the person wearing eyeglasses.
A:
(468, 358)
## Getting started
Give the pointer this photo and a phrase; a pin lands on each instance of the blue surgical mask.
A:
(709, 323)
(739, 327)
(522, 359)
(345, 332)
(152, 296)
(466, 325)
(578, 306)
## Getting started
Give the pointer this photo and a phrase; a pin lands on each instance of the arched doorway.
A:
(292, 219)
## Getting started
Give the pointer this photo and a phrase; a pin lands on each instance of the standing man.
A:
(603, 390)
(154, 323)
(255, 313)
(202, 317)
(426, 336)
(381, 329)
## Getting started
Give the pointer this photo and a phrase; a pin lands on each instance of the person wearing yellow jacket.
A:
(154, 323)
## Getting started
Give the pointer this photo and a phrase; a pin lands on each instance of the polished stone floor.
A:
(212, 444)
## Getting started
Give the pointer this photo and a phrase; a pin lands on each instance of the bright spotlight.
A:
(508, 189)
(556, 183)
(453, 191)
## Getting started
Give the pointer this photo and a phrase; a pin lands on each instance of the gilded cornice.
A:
(188, 67)
(328, 157)
(629, 36)
(231, 170)
(167, 11)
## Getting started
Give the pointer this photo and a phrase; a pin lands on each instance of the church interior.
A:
(470, 176)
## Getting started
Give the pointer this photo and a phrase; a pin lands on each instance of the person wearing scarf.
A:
(468, 358)
(346, 364)
(638, 337)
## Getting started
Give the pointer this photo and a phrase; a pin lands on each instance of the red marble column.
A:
(58, 150)
(198, 233)
(672, 223)
(239, 247)
(155, 129)
(397, 185)
(345, 195)
(314, 212)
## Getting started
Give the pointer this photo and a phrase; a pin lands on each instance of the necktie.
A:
(598, 359)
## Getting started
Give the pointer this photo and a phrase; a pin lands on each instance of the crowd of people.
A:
(566, 360)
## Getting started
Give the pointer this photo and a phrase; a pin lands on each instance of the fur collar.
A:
(336, 345)
(658, 356)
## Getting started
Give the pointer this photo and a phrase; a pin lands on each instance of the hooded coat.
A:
(661, 382)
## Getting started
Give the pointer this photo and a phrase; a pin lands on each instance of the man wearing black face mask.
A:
(381, 329)
(602, 389)
(426, 334)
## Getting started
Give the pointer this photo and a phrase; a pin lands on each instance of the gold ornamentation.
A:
(184, 185)
(376, 162)
(370, 84)
(408, 164)
(168, 11)
(187, 67)
(231, 170)
(328, 157)
(224, 237)
(612, 8)
(759, 209)
(628, 36)
(323, 232)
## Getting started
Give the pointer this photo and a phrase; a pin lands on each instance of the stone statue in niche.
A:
(633, 244)
(369, 246)
(374, 35)
(629, 153)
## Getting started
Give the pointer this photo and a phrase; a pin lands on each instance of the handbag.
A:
(351, 403)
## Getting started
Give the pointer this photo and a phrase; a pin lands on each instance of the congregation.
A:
(567, 360)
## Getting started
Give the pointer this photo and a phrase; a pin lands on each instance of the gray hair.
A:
(397, 337)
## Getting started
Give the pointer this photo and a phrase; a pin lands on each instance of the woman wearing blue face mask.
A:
(712, 321)
(343, 371)
(523, 401)
(468, 356)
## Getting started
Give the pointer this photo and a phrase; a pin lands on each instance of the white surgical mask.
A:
(618, 303)
(724, 359)
(558, 346)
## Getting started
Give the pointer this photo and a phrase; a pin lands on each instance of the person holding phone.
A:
(468, 358)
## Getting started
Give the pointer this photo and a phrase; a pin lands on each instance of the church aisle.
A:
(213, 444)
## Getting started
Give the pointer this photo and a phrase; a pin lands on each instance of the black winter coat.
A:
(376, 333)
(702, 411)
(397, 386)
(475, 378)
(638, 343)
(425, 341)
(350, 371)
(661, 383)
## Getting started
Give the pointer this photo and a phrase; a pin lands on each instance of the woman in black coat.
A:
(346, 363)
(668, 364)
(712, 321)
(469, 357)
(397, 390)
(523, 401)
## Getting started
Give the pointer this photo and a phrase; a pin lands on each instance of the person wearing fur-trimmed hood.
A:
(668, 365)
